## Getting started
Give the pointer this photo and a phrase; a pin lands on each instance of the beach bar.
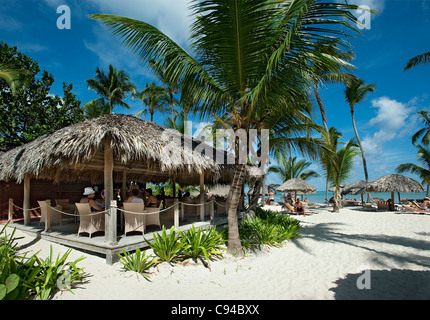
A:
(106, 150)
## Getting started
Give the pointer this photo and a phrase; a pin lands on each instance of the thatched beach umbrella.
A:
(394, 183)
(358, 187)
(296, 185)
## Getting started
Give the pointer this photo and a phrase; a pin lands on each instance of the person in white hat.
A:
(90, 195)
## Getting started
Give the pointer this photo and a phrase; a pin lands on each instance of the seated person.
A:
(186, 197)
(134, 198)
(90, 195)
(299, 207)
(151, 201)
(425, 204)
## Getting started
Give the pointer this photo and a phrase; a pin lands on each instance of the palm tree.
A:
(290, 168)
(355, 92)
(154, 97)
(424, 132)
(96, 108)
(248, 56)
(423, 157)
(323, 75)
(113, 87)
(15, 78)
(419, 59)
(337, 163)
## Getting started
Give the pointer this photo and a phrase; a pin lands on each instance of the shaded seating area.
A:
(94, 152)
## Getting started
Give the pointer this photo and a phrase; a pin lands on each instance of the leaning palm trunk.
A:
(253, 198)
(366, 176)
(234, 244)
(321, 106)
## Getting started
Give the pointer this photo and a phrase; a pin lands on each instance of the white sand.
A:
(325, 263)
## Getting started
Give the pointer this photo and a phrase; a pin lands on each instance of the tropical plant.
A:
(250, 57)
(424, 132)
(22, 278)
(202, 243)
(292, 168)
(33, 112)
(167, 247)
(96, 108)
(355, 92)
(266, 228)
(113, 87)
(15, 78)
(329, 49)
(419, 59)
(337, 163)
(423, 171)
(154, 97)
(138, 262)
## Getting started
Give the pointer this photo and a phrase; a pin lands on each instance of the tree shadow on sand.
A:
(396, 284)
(329, 232)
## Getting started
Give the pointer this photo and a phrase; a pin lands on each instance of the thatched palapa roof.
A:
(296, 184)
(145, 150)
(354, 188)
(394, 183)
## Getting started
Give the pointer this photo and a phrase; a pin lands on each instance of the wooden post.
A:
(124, 185)
(182, 211)
(113, 222)
(202, 196)
(47, 216)
(174, 185)
(176, 214)
(26, 204)
(212, 208)
(10, 217)
(110, 219)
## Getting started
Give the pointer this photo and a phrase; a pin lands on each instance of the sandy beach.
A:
(385, 251)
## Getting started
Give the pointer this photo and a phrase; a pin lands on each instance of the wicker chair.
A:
(153, 215)
(134, 222)
(56, 216)
(89, 222)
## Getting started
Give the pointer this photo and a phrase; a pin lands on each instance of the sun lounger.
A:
(421, 211)
(369, 207)
(289, 207)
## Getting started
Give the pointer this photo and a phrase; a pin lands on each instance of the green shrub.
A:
(267, 228)
(167, 247)
(23, 278)
(138, 262)
(202, 242)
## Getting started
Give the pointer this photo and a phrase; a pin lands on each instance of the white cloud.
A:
(393, 120)
(169, 16)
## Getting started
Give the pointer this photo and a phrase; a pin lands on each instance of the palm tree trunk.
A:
(321, 106)
(366, 176)
(234, 244)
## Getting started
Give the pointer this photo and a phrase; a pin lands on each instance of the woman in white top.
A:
(134, 198)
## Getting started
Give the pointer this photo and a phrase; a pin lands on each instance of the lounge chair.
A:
(416, 210)
(383, 206)
(55, 216)
(289, 207)
(153, 215)
(89, 222)
(134, 222)
(369, 207)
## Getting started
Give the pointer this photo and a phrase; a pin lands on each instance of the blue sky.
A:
(385, 120)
